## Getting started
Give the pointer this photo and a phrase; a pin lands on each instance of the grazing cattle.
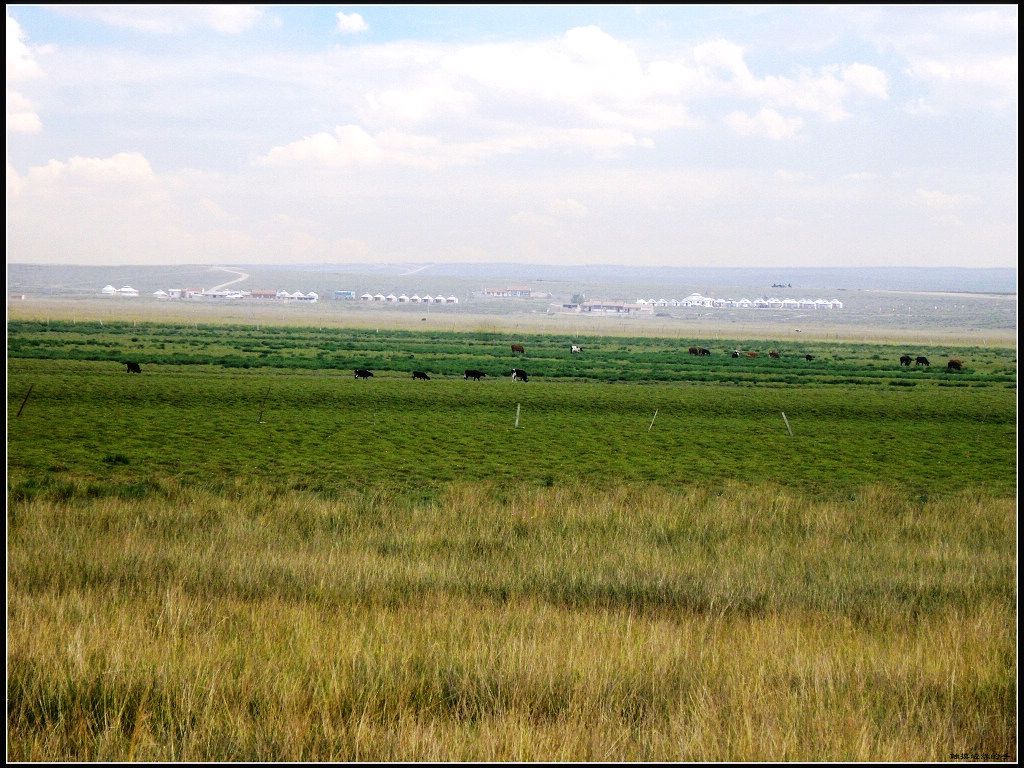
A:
(574, 349)
(955, 365)
(922, 361)
(751, 355)
(735, 353)
(133, 368)
(420, 375)
(808, 358)
(518, 348)
(694, 351)
(906, 360)
(774, 355)
(519, 375)
(362, 373)
(701, 351)
(474, 375)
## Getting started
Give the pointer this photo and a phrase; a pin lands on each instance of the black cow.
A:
(774, 354)
(808, 358)
(701, 351)
(133, 368)
(362, 373)
(519, 375)
(420, 375)
(735, 353)
(922, 361)
(954, 365)
(905, 360)
(474, 375)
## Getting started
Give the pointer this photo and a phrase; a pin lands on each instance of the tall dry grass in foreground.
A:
(495, 624)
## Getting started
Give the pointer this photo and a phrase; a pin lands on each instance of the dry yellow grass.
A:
(557, 625)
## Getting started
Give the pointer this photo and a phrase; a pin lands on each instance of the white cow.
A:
(574, 349)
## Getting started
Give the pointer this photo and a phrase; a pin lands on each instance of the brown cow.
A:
(751, 354)
(694, 351)
(955, 365)
(518, 348)
(774, 354)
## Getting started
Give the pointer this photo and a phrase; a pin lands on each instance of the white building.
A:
(697, 300)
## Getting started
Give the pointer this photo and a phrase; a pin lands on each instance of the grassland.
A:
(246, 554)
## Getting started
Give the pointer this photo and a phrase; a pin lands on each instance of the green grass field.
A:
(244, 553)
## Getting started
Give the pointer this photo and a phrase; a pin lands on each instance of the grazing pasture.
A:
(246, 554)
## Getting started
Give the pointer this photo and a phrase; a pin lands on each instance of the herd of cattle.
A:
(951, 365)
(520, 375)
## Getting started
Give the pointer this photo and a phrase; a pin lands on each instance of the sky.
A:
(661, 135)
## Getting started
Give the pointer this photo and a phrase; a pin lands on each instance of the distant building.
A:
(514, 291)
(616, 308)
(344, 294)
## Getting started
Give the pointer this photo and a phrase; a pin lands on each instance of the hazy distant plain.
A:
(919, 309)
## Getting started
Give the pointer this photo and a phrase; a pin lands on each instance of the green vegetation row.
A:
(89, 429)
(449, 354)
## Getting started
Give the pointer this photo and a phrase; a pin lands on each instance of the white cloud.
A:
(962, 56)
(351, 145)
(766, 123)
(21, 66)
(171, 19)
(568, 207)
(351, 23)
(413, 106)
(722, 71)
(122, 168)
(985, 81)
(21, 63)
(21, 114)
(14, 183)
(866, 79)
(573, 145)
(941, 201)
(530, 220)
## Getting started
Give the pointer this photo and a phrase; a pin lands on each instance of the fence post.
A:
(26, 398)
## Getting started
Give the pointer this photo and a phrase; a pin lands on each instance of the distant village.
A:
(650, 306)
(199, 294)
(640, 306)
(404, 299)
